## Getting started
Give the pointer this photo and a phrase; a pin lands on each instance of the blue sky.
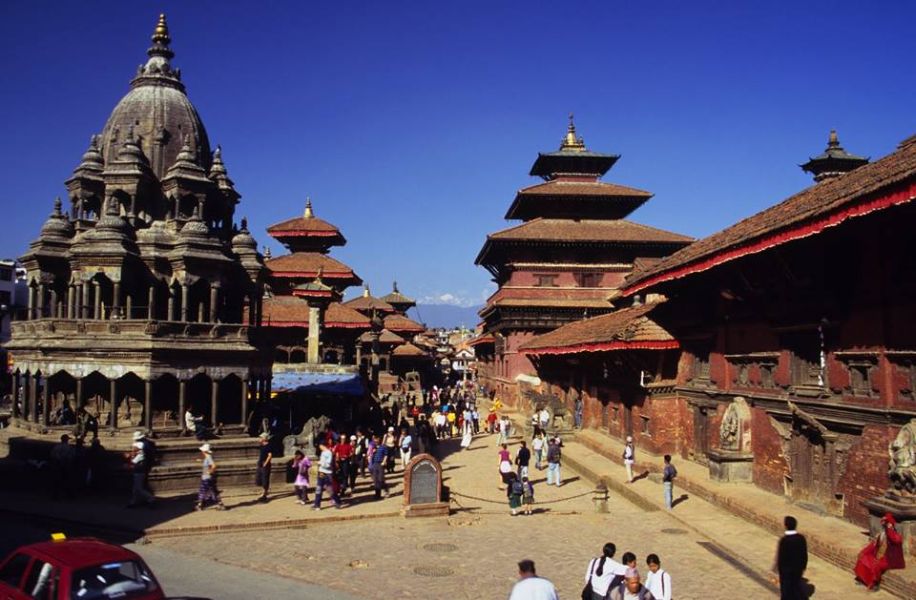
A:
(412, 124)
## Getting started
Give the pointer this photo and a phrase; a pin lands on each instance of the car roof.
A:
(79, 553)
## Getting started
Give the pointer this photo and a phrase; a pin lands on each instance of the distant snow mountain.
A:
(445, 315)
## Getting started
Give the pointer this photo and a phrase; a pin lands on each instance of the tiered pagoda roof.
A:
(833, 161)
(309, 240)
(399, 301)
(307, 233)
(366, 303)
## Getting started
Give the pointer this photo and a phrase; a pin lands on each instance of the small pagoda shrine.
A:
(833, 161)
(303, 313)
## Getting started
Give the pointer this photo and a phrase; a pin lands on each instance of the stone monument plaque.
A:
(424, 483)
(423, 488)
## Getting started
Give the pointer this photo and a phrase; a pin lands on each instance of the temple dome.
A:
(159, 111)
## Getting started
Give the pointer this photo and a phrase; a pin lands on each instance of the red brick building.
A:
(571, 252)
(796, 331)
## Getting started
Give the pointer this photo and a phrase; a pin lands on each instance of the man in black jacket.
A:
(791, 561)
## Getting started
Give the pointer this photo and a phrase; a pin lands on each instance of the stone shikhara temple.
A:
(140, 284)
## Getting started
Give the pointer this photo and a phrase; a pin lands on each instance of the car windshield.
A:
(122, 579)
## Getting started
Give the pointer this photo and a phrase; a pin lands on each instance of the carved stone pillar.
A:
(151, 303)
(71, 302)
(97, 302)
(17, 388)
(113, 403)
(244, 406)
(53, 303)
(182, 389)
(214, 299)
(45, 403)
(85, 306)
(115, 298)
(314, 335)
(40, 304)
(170, 309)
(214, 397)
(79, 392)
(33, 397)
(31, 313)
(184, 302)
(148, 405)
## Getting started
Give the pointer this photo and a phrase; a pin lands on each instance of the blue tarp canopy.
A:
(340, 384)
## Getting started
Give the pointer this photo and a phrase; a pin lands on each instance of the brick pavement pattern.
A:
(472, 554)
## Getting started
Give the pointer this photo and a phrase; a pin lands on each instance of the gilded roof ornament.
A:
(571, 142)
(308, 208)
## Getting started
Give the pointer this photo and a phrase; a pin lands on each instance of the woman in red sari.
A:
(883, 553)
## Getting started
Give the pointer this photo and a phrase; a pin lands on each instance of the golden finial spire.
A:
(308, 208)
(833, 140)
(161, 33)
(571, 142)
(366, 291)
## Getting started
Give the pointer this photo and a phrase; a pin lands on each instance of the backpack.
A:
(529, 491)
(517, 488)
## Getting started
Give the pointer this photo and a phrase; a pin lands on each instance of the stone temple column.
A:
(115, 298)
(84, 307)
(33, 388)
(244, 399)
(71, 302)
(214, 299)
(45, 403)
(148, 405)
(113, 402)
(31, 302)
(184, 302)
(151, 303)
(79, 392)
(97, 292)
(314, 334)
(170, 310)
(40, 304)
(182, 389)
(17, 383)
(214, 397)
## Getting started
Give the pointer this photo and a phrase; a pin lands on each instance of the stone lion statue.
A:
(902, 464)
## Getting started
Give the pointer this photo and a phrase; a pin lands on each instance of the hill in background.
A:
(446, 316)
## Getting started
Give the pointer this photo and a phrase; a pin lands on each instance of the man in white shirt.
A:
(531, 587)
(658, 581)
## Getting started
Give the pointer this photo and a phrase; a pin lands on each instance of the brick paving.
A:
(472, 553)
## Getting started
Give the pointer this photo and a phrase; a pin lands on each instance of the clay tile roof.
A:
(304, 226)
(396, 297)
(385, 337)
(628, 328)
(307, 264)
(367, 303)
(486, 338)
(289, 311)
(583, 188)
(338, 315)
(398, 322)
(588, 230)
(408, 350)
(823, 205)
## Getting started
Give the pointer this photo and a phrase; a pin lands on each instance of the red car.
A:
(78, 569)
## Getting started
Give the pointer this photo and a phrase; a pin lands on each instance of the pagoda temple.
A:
(143, 292)
(565, 260)
(303, 314)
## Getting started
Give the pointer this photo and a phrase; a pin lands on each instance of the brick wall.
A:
(770, 466)
(866, 471)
